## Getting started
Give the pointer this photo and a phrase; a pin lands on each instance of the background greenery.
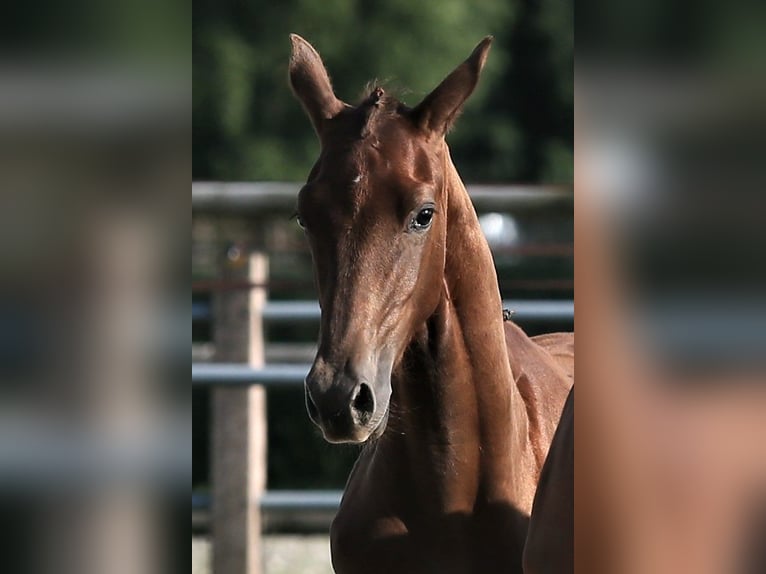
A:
(517, 127)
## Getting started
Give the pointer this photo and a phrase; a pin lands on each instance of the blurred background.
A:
(252, 150)
(518, 126)
(670, 180)
(95, 125)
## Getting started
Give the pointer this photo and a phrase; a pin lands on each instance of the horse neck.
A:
(467, 424)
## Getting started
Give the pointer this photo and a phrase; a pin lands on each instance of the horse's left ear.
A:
(438, 111)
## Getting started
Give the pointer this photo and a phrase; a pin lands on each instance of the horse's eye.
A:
(423, 219)
(299, 221)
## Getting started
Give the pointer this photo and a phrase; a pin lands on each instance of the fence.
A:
(240, 374)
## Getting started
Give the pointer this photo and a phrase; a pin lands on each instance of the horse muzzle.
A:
(343, 406)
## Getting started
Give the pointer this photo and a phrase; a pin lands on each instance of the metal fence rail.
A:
(273, 375)
(286, 500)
(251, 197)
(240, 374)
(291, 311)
(281, 510)
(523, 311)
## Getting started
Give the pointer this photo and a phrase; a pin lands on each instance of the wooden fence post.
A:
(239, 422)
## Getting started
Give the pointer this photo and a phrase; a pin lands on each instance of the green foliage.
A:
(517, 127)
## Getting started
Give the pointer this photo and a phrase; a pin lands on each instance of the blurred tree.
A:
(517, 127)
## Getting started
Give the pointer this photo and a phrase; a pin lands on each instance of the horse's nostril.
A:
(363, 403)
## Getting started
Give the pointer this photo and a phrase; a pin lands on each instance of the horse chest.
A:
(380, 532)
(388, 545)
(384, 544)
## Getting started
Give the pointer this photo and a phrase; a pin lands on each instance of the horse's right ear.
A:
(438, 111)
(311, 84)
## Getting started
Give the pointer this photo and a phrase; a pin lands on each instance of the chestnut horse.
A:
(456, 407)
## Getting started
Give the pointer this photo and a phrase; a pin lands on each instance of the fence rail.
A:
(545, 311)
(285, 500)
(302, 510)
(233, 374)
(242, 197)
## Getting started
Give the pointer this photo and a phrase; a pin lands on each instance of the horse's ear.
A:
(311, 84)
(438, 111)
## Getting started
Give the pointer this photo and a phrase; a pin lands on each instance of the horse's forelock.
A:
(378, 103)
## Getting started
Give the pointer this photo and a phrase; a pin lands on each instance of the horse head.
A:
(374, 210)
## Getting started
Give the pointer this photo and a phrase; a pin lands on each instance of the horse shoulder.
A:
(561, 347)
(543, 370)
